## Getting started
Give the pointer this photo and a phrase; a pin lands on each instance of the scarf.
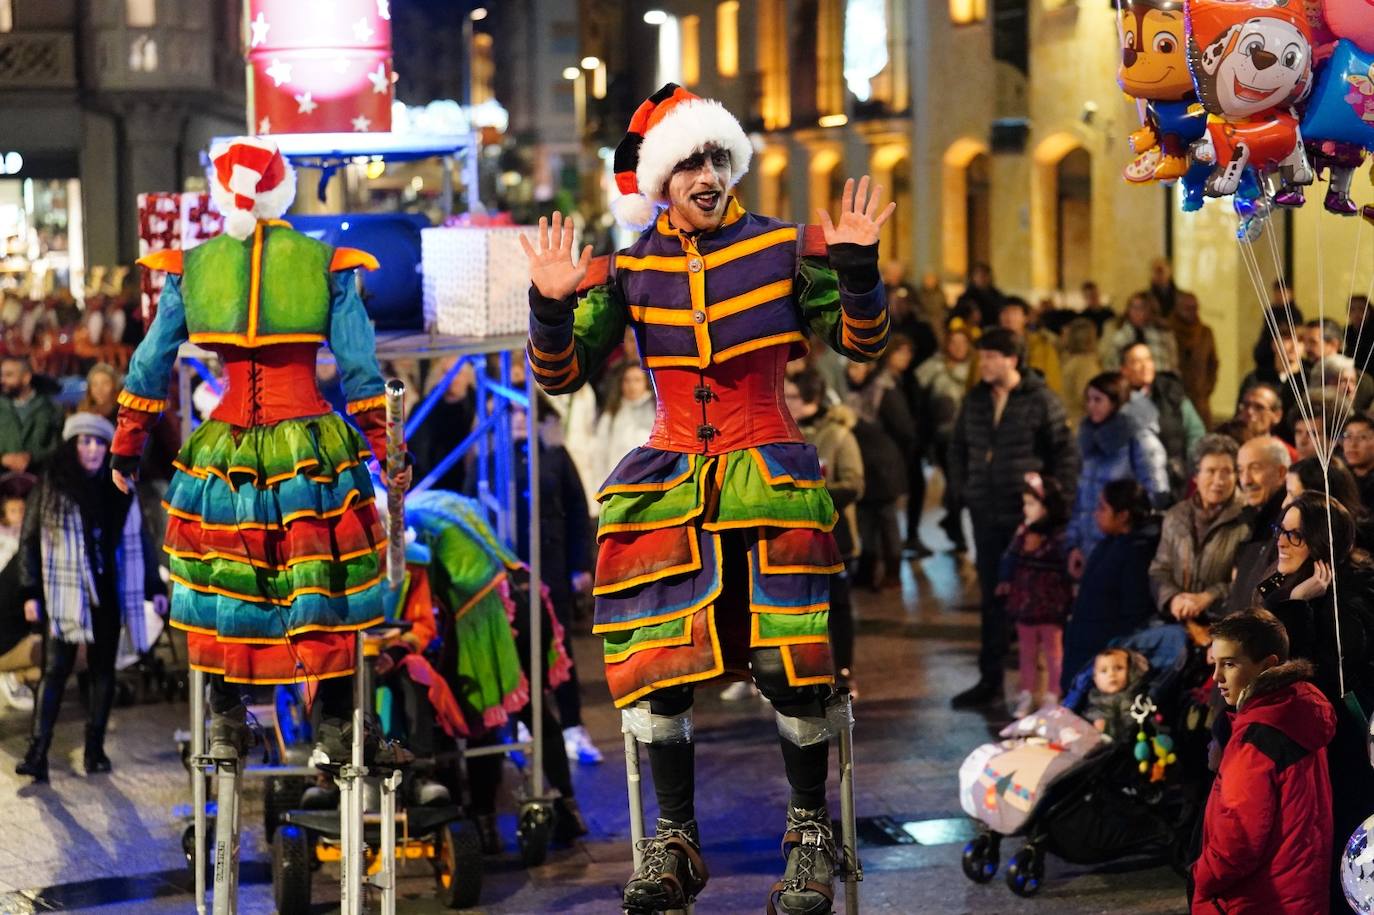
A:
(69, 588)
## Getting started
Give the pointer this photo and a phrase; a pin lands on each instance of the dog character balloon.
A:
(1154, 69)
(1339, 121)
(1251, 62)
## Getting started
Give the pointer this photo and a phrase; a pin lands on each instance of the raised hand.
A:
(860, 218)
(552, 269)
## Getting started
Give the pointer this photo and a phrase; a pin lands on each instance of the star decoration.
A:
(380, 80)
(280, 72)
(264, 127)
(362, 124)
(259, 27)
(305, 104)
(384, 9)
(361, 30)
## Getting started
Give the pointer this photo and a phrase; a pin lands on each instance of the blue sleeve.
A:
(150, 368)
(353, 343)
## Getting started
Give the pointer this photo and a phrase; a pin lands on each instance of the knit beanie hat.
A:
(87, 424)
(669, 126)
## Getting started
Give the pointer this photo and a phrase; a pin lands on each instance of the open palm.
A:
(552, 270)
(860, 219)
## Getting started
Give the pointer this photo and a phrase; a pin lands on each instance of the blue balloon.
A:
(1341, 107)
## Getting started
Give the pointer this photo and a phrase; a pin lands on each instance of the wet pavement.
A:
(112, 843)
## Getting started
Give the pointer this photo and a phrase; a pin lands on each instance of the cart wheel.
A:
(533, 832)
(188, 848)
(980, 859)
(291, 854)
(1026, 871)
(459, 868)
(282, 794)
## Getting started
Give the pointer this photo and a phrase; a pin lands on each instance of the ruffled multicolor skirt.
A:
(677, 603)
(276, 548)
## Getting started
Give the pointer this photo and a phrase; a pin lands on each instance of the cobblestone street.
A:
(112, 844)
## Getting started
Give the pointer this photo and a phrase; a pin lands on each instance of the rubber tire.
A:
(1026, 872)
(533, 832)
(282, 794)
(980, 861)
(291, 871)
(460, 861)
(188, 848)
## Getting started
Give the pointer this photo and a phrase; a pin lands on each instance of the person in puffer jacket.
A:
(1266, 833)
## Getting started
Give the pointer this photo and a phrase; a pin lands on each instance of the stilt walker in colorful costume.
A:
(275, 542)
(715, 536)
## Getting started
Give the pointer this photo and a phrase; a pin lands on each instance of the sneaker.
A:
(579, 746)
(431, 793)
(1025, 704)
(15, 692)
(739, 691)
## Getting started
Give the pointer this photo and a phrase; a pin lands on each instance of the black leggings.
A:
(673, 764)
(60, 660)
(484, 772)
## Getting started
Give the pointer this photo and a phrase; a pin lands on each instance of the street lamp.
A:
(478, 14)
(590, 62)
(579, 81)
(655, 17)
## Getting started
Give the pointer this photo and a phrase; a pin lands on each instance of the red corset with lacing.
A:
(725, 407)
(269, 384)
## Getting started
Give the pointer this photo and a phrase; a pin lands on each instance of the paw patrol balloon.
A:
(1251, 62)
(1154, 69)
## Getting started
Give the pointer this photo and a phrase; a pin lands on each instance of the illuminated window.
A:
(691, 50)
(727, 38)
(483, 68)
(6, 15)
(140, 14)
(830, 57)
(775, 102)
(143, 54)
(966, 12)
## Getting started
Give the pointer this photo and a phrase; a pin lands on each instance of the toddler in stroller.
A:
(1089, 793)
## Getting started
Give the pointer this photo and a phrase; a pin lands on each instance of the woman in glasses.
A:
(1322, 577)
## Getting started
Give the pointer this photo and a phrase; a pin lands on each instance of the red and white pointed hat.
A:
(669, 126)
(251, 180)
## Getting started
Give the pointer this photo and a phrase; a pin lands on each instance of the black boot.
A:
(35, 761)
(671, 871)
(807, 886)
(568, 823)
(487, 832)
(984, 692)
(96, 762)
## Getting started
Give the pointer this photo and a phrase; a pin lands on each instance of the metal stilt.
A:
(853, 871)
(633, 779)
(227, 779)
(197, 752)
(351, 863)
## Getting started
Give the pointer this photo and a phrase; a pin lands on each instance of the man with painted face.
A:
(716, 548)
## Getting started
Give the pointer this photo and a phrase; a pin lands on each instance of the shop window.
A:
(143, 54)
(967, 12)
(140, 14)
(727, 38)
(691, 50)
(6, 15)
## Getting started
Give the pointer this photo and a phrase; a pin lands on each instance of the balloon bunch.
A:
(1250, 99)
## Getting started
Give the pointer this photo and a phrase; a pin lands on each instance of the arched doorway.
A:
(890, 165)
(826, 183)
(966, 207)
(775, 198)
(1061, 214)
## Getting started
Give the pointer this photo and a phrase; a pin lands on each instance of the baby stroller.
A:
(1075, 793)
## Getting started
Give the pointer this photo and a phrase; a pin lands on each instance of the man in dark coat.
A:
(1010, 425)
(1263, 464)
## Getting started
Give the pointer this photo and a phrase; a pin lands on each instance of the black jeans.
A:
(990, 541)
(60, 660)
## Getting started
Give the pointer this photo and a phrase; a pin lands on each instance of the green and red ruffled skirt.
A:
(276, 549)
(673, 607)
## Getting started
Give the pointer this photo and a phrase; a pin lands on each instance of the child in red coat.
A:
(1266, 836)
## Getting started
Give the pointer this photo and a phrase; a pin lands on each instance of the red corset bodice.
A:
(724, 407)
(269, 384)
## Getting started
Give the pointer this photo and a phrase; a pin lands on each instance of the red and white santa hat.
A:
(669, 126)
(251, 180)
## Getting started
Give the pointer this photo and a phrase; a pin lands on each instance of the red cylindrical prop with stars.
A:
(320, 66)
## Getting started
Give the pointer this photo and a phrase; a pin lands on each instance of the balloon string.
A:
(1335, 601)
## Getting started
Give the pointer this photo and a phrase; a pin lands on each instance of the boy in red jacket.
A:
(1266, 836)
